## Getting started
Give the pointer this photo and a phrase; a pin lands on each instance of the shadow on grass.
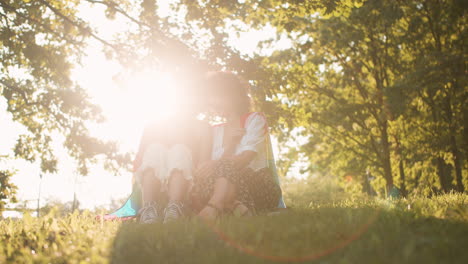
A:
(323, 235)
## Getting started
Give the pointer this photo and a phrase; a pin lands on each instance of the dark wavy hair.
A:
(230, 87)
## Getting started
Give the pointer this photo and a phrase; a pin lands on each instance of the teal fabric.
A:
(131, 207)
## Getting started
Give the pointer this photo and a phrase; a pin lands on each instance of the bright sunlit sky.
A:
(123, 107)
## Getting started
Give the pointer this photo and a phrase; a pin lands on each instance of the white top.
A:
(253, 140)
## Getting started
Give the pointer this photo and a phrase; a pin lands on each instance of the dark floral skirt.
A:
(255, 189)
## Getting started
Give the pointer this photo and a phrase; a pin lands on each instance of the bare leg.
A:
(151, 192)
(177, 186)
(151, 187)
(223, 195)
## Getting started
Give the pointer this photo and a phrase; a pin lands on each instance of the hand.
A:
(205, 169)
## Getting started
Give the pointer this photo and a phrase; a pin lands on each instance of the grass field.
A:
(418, 230)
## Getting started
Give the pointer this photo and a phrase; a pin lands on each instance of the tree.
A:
(40, 41)
(7, 189)
(331, 95)
(375, 85)
(435, 44)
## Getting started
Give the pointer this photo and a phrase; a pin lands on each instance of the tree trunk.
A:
(457, 163)
(444, 172)
(401, 167)
(385, 114)
(387, 166)
(403, 178)
(453, 145)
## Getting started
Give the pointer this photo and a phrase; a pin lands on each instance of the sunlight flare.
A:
(151, 96)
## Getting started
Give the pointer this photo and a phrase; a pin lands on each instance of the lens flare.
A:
(311, 257)
(152, 95)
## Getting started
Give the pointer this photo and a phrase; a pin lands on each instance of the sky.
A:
(122, 109)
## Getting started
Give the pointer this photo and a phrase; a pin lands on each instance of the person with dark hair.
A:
(241, 177)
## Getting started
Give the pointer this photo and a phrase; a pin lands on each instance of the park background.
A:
(366, 101)
(365, 92)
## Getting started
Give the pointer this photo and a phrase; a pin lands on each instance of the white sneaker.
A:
(149, 213)
(173, 211)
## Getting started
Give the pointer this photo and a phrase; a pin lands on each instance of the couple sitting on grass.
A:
(185, 166)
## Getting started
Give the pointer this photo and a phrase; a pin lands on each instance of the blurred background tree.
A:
(366, 88)
(377, 87)
(40, 42)
(7, 189)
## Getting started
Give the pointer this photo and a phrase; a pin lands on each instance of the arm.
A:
(255, 132)
(243, 159)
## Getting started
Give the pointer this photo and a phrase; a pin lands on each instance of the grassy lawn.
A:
(373, 231)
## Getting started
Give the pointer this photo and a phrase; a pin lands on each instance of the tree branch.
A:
(165, 39)
(362, 155)
(47, 28)
(83, 29)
